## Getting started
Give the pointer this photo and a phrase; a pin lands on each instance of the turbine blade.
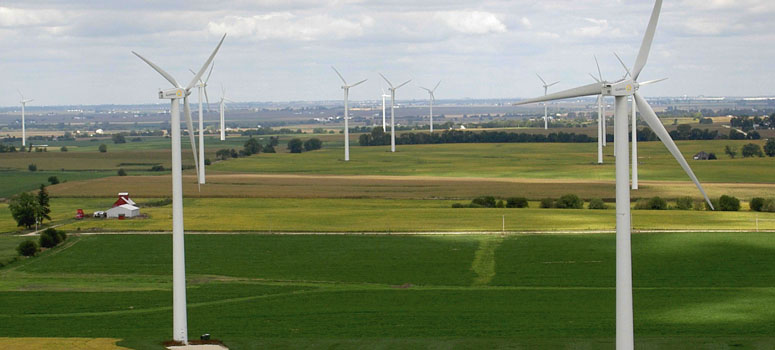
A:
(623, 65)
(210, 73)
(206, 64)
(593, 77)
(599, 72)
(388, 81)
(20, 94)
(190, 127)
(207, 98)
(358, 83)
(436, 87)
(652, 81)
(645, 46)
(542, 79)
(426, 89)
(586, 90)
(340, 75)
(553, 84)
(647, 113)
(406, 82)
(159, 70)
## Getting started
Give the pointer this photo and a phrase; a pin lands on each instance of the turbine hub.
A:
(626, 87)
(172, 94)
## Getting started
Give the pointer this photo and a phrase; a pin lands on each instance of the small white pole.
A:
(757, 222)
(503, 227)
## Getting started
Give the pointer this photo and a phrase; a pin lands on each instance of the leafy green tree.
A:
(269, 149)
(103, 148)
(32, 167)
(484, 201)
(597, 203)
(251, 147)
(53, 180)
(516, 202)
(118, 138)
(500, 204)
(730, 151)
(769, 147)
(756, 203)
(44, 205)
(313, 144)
(121, 172)
(728, 203)
(295, 146)
(24, 208)
(547, 203)
(752, 150)
(570, 201)
(684, 203)
(63, 149)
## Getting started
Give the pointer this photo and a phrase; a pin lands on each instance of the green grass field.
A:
(379, 215)
(691, 290)
(16, 181)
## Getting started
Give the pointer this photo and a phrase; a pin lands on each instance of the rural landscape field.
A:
(403, 175)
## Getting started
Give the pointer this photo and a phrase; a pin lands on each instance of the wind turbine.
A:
(24, 104)
(546, 90)
(600, 118)
(222, 106)
(392, 111)
(202, 85)
(432, 98)
(346, 89)
(384, 128)
(179, 318)
(621, 90)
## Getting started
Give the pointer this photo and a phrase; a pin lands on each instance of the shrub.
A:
(103, 148)
(53, 180)
(684, 203)
(47, 241)
(751, 150)
(713, 201)
(32, 167)
(51, 237)
(570, 201)
(728, 203)
(500, 204)
(207, 161)
(756, 204)
(63, 149)
(699, 205)
(312, 144)
(118, 138)
(547, 203)
(269, 149)
(730, 151)
(27, 248)
(459, 205)
(769, 205)
(484, 201)
(597, 203)
(517, 202)
(654, 203)
(121, 172)
(712, 156)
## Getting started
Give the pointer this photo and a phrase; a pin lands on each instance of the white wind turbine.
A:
(346, 89)
(546, 90)
(600, 117)
(202, 86)
(179, 318)
(384, 128)
(621, 90)
(24, 130)
(432, 98)
(392, 111)
(222, 106)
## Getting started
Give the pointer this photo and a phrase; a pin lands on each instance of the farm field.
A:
(380, 216)
(691, 290)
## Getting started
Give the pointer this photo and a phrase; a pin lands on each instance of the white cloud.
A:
(526, 23)
(286, 25)
(472, 22)
(14, 17)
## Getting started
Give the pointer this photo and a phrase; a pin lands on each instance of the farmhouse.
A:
(702, 156)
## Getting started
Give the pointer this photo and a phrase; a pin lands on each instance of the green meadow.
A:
(691, 290)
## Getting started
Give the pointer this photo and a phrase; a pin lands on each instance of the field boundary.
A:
(409, 233)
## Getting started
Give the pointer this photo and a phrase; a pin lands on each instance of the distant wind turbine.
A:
(600, 117)
(621, 90)
(222, 107)
(346, 89)
(392, 111)
(384, 128)
(546, 90)
(432, 98)
(202, 86)
(24, 130)
(179, 317)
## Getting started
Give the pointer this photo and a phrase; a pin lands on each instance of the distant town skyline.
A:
(77, 52)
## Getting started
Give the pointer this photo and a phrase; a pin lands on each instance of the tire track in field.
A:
(484, 259)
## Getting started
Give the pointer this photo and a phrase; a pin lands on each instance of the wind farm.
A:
(489, 215)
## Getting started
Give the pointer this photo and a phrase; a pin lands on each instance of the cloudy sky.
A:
(78, 52)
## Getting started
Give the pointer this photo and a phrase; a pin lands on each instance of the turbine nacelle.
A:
(626, 87)
(171, 94)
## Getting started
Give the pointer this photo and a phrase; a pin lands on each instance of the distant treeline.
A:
(380, 138)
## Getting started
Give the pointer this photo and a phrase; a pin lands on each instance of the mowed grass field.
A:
(691, 291)
(380, 216)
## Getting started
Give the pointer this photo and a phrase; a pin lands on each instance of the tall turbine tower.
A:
(179, 317)
(202, 86)
(222, 107)
(346, 89)
(546, 90)
(24, 130)
(600, 117)
(432, 98)
(384, 128)
(392, 111)
(621, 90)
